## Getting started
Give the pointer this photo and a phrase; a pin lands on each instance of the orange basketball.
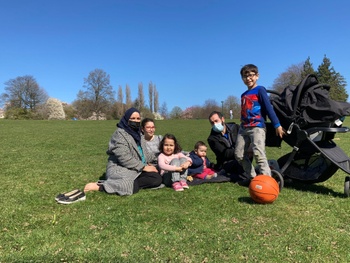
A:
(264, 189)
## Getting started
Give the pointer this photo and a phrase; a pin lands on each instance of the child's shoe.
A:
(184, 184)
(177, 187)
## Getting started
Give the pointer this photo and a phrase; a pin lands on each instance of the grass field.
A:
(207, 223)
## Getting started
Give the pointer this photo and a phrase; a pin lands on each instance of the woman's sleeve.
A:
(125, 152)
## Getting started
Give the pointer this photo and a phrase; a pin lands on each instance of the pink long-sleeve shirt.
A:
(164, 161)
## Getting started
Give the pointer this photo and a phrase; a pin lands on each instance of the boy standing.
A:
(255, 105)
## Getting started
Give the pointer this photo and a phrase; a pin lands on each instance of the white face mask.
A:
(218, 127)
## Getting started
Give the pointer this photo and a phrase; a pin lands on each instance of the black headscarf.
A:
(123, 124)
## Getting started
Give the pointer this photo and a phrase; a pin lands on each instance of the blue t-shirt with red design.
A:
(255, 105)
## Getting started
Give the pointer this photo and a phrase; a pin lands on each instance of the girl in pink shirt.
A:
(173, 163)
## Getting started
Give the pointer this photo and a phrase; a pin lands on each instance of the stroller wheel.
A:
(278, 177)
(347, 186)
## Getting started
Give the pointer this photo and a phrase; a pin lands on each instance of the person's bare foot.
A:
(91, 187)
(209, 176)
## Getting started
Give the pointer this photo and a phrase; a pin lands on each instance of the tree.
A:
(119, 105)
(155, 99)
(141, 97)
(175, 113)
(23, 93)
(307, 68)
(99, 93)
(150, 95)
(292, 76)
(69, 111)
(83, 106)
(54, 109)
(234, 104)
(128, 101)
(209, 106)
(163, 110)
(326, 74)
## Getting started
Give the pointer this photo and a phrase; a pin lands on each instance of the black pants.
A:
(147, 180)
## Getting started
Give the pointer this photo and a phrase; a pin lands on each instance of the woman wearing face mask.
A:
(128, 170)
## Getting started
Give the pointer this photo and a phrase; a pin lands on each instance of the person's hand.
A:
(280, 132)
(150, 168)
(178, 169)
(185, 165)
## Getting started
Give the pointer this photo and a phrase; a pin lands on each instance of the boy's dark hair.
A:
(215, 112)
(145, 120)
(199, 144)
(171, 137)
(249, 68)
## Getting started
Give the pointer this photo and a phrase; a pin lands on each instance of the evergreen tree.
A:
(307, 68)
(327, 75)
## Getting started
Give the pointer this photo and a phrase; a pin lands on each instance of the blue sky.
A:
(191, 50)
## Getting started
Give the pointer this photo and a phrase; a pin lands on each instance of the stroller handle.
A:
(326, 129)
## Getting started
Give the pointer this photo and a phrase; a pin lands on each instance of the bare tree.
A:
(150, 95)
(176, 113)
(233, 103)
(155, 99)
(98, 92)
(209, 106)
(83, 106)
(141, 97)
(128, 101)
(292, 76)
(163, 110)
(24, 93)
(120, 105)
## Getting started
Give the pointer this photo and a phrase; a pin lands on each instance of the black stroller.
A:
(311, 120)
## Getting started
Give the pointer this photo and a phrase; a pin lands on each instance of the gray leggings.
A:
(171, 177)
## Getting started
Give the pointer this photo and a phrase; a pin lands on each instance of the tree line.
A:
(25, 99)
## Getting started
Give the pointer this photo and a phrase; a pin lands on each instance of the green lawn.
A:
(207, 223)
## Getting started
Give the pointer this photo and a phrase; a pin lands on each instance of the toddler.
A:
(201, 167)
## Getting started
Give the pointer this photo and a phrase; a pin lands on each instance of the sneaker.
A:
(158, 187)
(79, 196)
(184, 184)
(66, 194)
(177, 187)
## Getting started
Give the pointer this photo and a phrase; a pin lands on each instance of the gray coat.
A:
(124, 163)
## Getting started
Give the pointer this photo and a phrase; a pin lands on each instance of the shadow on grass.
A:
(102, 177)
(246, 199)
(314, 188)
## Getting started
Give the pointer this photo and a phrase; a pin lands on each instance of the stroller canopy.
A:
(308, 104)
